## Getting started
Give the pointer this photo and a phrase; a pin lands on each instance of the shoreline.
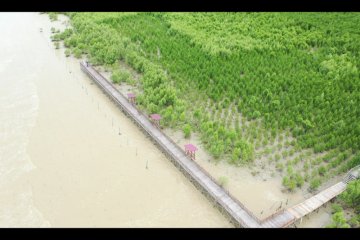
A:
(240, 177)
(239, 172)
(240, 214)
(87, 174)
(300, 194)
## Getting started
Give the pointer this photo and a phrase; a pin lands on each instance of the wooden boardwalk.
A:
(228, 204)
(240, 216)
(288, 216)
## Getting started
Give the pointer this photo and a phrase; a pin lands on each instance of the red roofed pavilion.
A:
(156, 119)
(190, 150)
(132, 98)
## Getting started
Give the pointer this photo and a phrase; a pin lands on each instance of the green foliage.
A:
(289, 183)
(55, 37)
(354, 221)
(53, 16)
(314, 184)
(77, 52)
(242, 153)
(299, 180)
(223, 181)
(293, 180)
(307, 82)
(197, 114)
(336, 208)
(338, 221)
(279, 166)
(57, 45)
(217, 150)
(62, 36)
(187, 130)
(351, 196)
(306, 165)
(290, 170)
(121, 76)
(67, 52)
(322, 170)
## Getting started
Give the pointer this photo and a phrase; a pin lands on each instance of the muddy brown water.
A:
(63, 162)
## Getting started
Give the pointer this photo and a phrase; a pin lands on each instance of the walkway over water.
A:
(228, 204)
(290, 215)
(238, 213)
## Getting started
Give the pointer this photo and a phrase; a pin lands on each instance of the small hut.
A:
(156, 119)
(132, 98)
(190, 150)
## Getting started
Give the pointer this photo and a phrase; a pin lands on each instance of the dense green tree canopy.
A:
(294, 72)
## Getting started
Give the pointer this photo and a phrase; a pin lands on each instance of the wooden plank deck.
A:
(239, 214)
(292, 214)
